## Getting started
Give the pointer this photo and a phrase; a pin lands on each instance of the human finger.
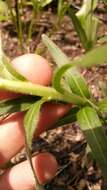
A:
(21, 176)
(12, 133)
(34, 68)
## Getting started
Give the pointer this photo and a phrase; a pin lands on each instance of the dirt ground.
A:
(77, 170)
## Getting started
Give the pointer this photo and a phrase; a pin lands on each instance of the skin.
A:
(12, 132)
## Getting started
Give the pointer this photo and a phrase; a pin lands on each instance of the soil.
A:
(77, 171)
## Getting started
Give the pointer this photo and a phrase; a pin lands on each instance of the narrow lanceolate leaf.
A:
(96, 56)
(30, 123)
(6, 69)
(31, 120)
(59, 57)
(3, 11)
(43, 3)
(88, 21)
(74, 78)
(78, 27)
(10, 69)
(76, 82)
(103, 105)
(69, 118)
(90, 124)
(19, 104)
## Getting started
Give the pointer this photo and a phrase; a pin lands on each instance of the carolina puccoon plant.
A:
(69, 87)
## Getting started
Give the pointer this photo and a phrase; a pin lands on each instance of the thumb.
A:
(34, 68)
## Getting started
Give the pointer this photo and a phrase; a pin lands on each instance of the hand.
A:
(36, 70)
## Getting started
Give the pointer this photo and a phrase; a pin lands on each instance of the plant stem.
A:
(39, 90)
(19, 23)
(29, 158)
(35, 12)
(11, 11)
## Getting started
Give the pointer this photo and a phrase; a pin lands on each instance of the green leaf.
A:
(96, 56)
(11, 70)
(6, 69)
(90, 124)
(77, 83)
(74, 78)
(78, 27)
(103, 105)
(102, 39)
(40, 3)
(69, 118)
(31, 120)
(88, 21)
(59, 57)
(30, 124)
(43, 3)
(19, 104)
(62, 8)
(3, 11)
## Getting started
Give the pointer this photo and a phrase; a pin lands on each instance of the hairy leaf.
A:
(59, 57)
(30, 124)
(90, 124)
(96, 56)
(31, 121)
(6, 69)
(76, 81)
(74, 78)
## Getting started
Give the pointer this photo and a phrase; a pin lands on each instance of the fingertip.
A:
(46, 167)
(34, 68)
(21, 176)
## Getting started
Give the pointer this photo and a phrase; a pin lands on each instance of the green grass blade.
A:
(88, 20)
(90, 124)
(78, 27)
